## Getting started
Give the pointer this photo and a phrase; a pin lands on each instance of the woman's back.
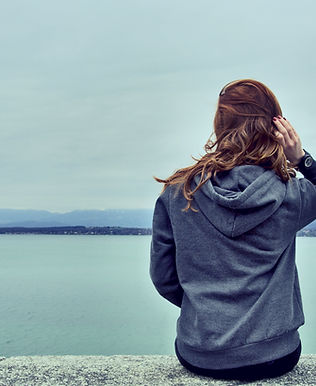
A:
(235, 265)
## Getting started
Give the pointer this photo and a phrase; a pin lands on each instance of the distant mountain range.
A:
(130, 218)
(140, 218)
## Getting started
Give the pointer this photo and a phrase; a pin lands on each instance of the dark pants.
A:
(270, 369)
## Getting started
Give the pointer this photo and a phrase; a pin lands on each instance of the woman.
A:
(223, 244)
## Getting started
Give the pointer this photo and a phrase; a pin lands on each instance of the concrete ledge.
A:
(126, 370)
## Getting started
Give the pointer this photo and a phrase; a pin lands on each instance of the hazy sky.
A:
(98, 96)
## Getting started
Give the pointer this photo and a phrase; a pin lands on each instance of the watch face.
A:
(308, 162)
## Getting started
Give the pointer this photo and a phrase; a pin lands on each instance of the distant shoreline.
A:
(107, 230)
(306, 233)
(76, 230)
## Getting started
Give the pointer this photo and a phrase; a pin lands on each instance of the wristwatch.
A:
(306, 162)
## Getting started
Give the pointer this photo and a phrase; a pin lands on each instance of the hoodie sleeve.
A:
(163, 270)
(308, 202)
(308, 193)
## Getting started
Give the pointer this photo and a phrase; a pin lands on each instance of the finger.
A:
(280, 138)
(293, 130)
(287, 131)
(290, 129)
(282, 130)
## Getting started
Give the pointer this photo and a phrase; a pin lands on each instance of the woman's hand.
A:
(289, 139)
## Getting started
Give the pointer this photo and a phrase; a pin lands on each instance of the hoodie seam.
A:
(242, 345)
(169, 203)
(168, 209)
(234, 224)
(300, 215)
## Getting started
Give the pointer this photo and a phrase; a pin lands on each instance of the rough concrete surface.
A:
(127, 370)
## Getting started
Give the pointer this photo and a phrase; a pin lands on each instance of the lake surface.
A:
(92, 295)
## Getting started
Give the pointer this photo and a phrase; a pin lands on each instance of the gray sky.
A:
(98, 96)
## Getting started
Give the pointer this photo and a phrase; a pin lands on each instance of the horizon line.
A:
(76, 210)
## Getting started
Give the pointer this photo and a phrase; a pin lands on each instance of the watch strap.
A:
(306, 162)
(307, 166)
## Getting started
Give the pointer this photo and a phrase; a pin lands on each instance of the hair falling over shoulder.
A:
(245, 134)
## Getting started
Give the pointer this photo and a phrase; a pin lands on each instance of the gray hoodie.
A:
(230, 266)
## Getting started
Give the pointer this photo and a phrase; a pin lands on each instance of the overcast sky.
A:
(97, 96)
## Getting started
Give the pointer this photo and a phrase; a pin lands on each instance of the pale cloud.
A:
(99, 96)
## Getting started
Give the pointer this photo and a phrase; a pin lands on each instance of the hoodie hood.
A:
(240, 199)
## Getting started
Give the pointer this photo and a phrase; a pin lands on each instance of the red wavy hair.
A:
(245, 134)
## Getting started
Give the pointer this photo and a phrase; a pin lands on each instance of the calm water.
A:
(92, 295)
